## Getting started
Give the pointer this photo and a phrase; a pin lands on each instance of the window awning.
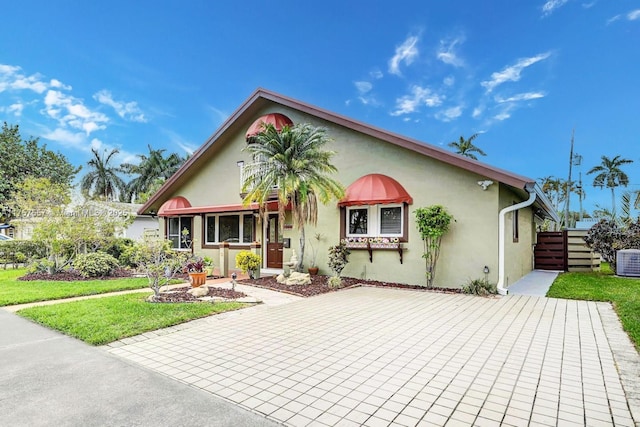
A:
(375, 189)
(177, 208)
(276, 119)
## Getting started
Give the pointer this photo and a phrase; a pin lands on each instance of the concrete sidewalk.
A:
(535, 284)
(49, 379)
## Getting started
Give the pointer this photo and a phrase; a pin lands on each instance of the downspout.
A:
(501, 234)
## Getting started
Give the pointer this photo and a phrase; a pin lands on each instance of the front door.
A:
(275, 245)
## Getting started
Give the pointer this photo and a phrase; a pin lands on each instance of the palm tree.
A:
(466, 147)
(102, 180)
(610, 175)
(293, 164)
(152, 169)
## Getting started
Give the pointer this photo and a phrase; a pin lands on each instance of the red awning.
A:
(189, 210)
(276, 119)
(174, 204)
(375, 189)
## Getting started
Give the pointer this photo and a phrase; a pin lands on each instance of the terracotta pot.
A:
(313, 271)
(197, 279)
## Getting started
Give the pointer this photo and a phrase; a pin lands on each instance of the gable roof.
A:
(262, 98)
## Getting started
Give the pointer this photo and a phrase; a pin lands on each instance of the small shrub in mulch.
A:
(319, 285)
(73, 276)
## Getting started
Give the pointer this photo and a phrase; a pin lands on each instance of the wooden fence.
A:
(564, 251)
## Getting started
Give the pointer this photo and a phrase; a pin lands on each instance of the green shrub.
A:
(248, 261)
(479, 287)
(41, 265)
(335, 282)
(116, 246)
(129, 256)
(96, 264)
(338, 258)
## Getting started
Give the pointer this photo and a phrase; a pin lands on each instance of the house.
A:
(387, 176)
(140, 224)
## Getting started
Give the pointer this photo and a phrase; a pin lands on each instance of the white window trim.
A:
(373, 220)
(179, 235)
(217, 216)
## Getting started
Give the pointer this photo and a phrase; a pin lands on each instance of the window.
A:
(375, 221)
(175, 227)
(516, 226)
(358, 221)
(235, 228)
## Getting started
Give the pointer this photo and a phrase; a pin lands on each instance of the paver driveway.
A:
(377, 357)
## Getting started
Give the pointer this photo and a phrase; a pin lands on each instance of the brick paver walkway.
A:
(379, 357)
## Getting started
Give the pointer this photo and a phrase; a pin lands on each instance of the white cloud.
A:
(449, 114)
(419, 96)
(126, 110)
(449, 81)
(217, 116)
(520, 97)
(477, 112)
(633, 15)
(363, 87)
(15, 109)
(552, 5)
(613, 19)
(446, 52)
(66, 138)
(512, 73)
(376, 74)
(57, 84)
(11, 78)
(406, 53)
(71, 112)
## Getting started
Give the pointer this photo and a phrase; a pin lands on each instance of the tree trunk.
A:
(613, 202)
(301, 258)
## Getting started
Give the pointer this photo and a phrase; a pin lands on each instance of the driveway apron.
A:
(378, 357)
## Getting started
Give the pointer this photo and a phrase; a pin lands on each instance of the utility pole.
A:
(566, 208)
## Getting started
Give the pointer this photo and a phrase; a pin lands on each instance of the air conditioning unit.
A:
(628, 262)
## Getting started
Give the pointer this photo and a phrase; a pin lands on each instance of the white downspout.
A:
(501, 234)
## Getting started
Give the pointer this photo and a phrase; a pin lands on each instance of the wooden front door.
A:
(275, 243)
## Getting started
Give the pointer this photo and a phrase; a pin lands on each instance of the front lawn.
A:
(104, 320)
(623, 292)
(14, 291)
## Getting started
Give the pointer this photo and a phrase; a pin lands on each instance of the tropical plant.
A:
(338, 258)
(314, 249)
(467, 148)
(605, 238)
(195, 265)
(292, 163)
(249, 262)
(433, 222)
(609, 174)
(479, 287)
(153, 169)
(102, 180)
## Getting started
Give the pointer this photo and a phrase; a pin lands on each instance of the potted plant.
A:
(313, 268)
(195, 269)
(208, 265)
(250, 263)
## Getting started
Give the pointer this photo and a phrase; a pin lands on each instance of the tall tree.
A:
(151, 169)
(293, 163)
(21, 159)
(102, 181)
(467, 148)
(610, 175)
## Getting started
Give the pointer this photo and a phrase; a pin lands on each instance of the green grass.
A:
(623, 292)
(13, 291)
(103, 320)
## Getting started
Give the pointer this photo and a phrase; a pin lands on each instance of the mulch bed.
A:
(73, 276)
(319, 285)
(181, 295)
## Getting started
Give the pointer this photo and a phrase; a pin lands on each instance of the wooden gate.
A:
(550, 251)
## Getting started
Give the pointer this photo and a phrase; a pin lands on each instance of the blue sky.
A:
(126, 74)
